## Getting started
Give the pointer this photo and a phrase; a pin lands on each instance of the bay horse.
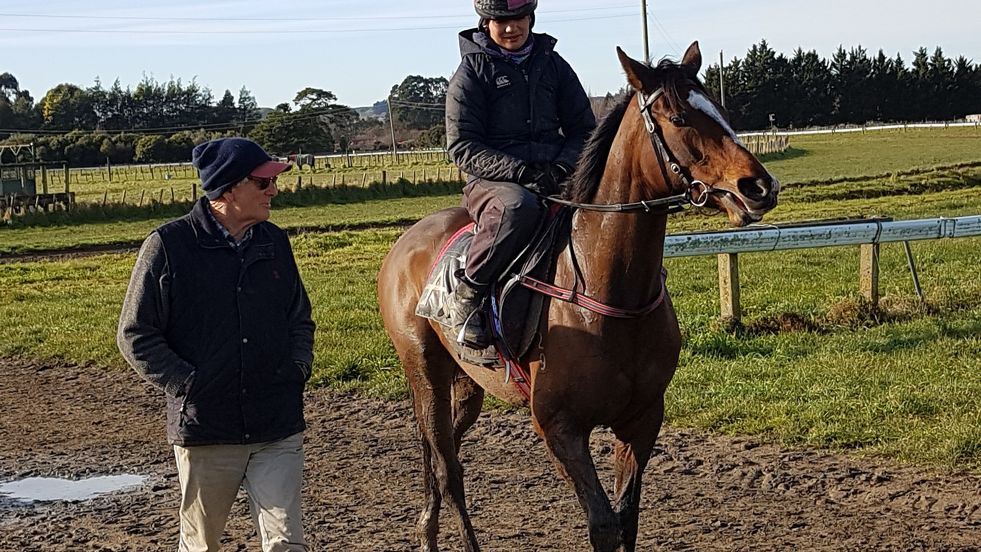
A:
(666, 144)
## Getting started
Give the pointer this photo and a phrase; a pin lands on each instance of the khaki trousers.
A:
(271, 474)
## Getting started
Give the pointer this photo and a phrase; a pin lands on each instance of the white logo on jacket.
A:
(503, 81)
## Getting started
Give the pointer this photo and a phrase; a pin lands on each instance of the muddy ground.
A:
(363, 492)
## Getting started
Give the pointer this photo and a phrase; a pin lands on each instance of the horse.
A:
(666, 145)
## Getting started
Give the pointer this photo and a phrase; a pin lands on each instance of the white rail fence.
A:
(836, 130)
(866, 233)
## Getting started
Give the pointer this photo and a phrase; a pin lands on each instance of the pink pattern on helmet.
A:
(515, 4)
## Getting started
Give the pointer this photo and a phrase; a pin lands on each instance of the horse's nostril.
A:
(754, 187)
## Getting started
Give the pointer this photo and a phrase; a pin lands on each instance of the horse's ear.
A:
(692, 60)
(634, 69)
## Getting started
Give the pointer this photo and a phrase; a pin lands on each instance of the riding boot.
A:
(467, 317)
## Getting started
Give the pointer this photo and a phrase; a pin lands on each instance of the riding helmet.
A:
(504, 9)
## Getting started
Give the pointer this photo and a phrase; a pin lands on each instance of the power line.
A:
(283, 31)
(417, 104)
(283, 19)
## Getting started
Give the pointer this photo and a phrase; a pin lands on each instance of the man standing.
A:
(216, 317)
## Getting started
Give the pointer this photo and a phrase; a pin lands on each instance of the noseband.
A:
(696, 192)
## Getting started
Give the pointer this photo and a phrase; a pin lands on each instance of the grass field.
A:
(812, 365)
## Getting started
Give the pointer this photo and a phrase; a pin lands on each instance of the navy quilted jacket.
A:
(225, 334)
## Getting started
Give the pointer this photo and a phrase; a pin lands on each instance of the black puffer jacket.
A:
(501, 116)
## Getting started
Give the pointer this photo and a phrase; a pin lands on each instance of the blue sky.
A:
(359, 48)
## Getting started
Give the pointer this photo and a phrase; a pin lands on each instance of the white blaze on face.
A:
(701, 102)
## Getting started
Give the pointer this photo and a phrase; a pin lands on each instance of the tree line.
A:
(850, 88)
(159, 122)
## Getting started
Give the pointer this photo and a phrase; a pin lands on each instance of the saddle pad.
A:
(433, 303)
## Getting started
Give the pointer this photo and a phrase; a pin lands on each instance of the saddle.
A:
(515, 311)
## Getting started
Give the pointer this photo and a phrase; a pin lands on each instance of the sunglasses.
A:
(262, 183)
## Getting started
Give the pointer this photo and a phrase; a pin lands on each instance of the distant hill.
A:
(377, 111)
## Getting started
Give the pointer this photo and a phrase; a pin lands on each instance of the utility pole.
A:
(722, 86)
(643, 13)
(391, 125)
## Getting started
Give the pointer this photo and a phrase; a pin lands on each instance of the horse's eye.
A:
(678, 120)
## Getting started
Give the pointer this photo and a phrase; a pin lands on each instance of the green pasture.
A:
(946, 192)
(136, 185)
(27, 239)
(824, 157)
(811, 366)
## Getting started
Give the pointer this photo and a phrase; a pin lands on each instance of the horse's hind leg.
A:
(631, 453)
(427, 528)
(432, 378)
(468, 398)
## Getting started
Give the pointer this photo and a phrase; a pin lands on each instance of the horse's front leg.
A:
(630, 455)
(569, 447)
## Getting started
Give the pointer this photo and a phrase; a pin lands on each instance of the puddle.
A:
(37, 489)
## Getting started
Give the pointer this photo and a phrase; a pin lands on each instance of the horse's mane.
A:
(592, 162)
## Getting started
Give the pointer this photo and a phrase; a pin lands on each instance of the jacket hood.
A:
(475, 41)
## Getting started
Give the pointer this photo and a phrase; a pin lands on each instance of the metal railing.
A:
(866, 233)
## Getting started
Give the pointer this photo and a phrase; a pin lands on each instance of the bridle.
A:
(696, 192)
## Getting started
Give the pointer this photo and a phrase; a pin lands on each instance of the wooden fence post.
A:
(729, 287)
(869, 272)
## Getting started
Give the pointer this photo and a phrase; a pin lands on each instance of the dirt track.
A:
(703, 492)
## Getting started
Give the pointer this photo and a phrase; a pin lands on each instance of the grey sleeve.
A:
(466, 111)
(301, 324)
(143, 322)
